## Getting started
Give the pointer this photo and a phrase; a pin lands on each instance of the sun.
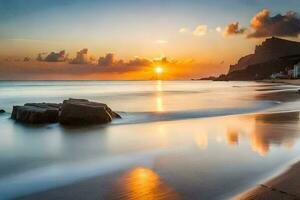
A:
(159, 70)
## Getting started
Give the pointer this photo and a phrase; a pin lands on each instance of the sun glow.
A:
(159, 70)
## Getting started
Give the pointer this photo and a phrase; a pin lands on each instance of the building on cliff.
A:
(296, 70)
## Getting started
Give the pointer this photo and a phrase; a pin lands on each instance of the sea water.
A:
(176, 139)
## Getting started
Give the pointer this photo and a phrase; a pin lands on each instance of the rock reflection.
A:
(283, 131)
(267, 129)
(143, 183)
(261, 131)
(232, 137)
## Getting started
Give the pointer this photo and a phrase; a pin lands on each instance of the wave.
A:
(145, 117)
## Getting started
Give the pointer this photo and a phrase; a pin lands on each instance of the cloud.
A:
(183, 30)
(219, 29)
(139, 62)
(111, 60)
(234, 29)
(200, 30)
(56, 57)
(41, 57)
(108, 60)
(26, 59)
(264, 25)
(82, 57)
(161, 41)
(135, 68)
(161, 61)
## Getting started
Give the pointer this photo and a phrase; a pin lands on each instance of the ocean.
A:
(176, 139)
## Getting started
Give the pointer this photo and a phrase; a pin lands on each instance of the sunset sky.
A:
(188, 39)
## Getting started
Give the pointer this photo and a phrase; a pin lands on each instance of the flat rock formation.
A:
(36, 113)
(70, 112)
(82, 111)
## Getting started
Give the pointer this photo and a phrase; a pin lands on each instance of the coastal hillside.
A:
(274, 55)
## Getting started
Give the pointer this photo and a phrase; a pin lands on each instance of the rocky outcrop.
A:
(2, 111)
(36, 113)
(271, 49)
(261, 70)
(82, 111)
(70, 112)
(209, 78)
(274, 55)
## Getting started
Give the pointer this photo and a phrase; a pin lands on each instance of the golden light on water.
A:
(201, 140)
(159, 97)
(158, 86)
(159, 104)
(143, 183)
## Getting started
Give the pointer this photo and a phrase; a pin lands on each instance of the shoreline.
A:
(295, 82)
(284, 185)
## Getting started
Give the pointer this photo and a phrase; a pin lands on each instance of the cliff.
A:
(274, 55)
(271, 49)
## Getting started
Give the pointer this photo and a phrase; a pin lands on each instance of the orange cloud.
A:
(108, 67)
(200, 30)
(264, 25)
(234, 29)
(56, 57)
(108, 60)
(82, 57)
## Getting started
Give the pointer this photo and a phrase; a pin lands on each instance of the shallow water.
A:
(165, 147)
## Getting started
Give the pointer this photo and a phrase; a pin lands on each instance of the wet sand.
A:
(287, 184)
(283, 96)
(284, 186)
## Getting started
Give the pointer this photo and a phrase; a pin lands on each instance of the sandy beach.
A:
(284, 186)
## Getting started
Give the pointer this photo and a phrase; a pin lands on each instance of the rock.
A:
(82, 111)
(36, 113)
(2, 111)
(71, 112)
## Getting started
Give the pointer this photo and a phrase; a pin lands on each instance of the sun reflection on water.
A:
(143, 184)
(201, 140)
(159, 104)
(159, 86)
(159, 98)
